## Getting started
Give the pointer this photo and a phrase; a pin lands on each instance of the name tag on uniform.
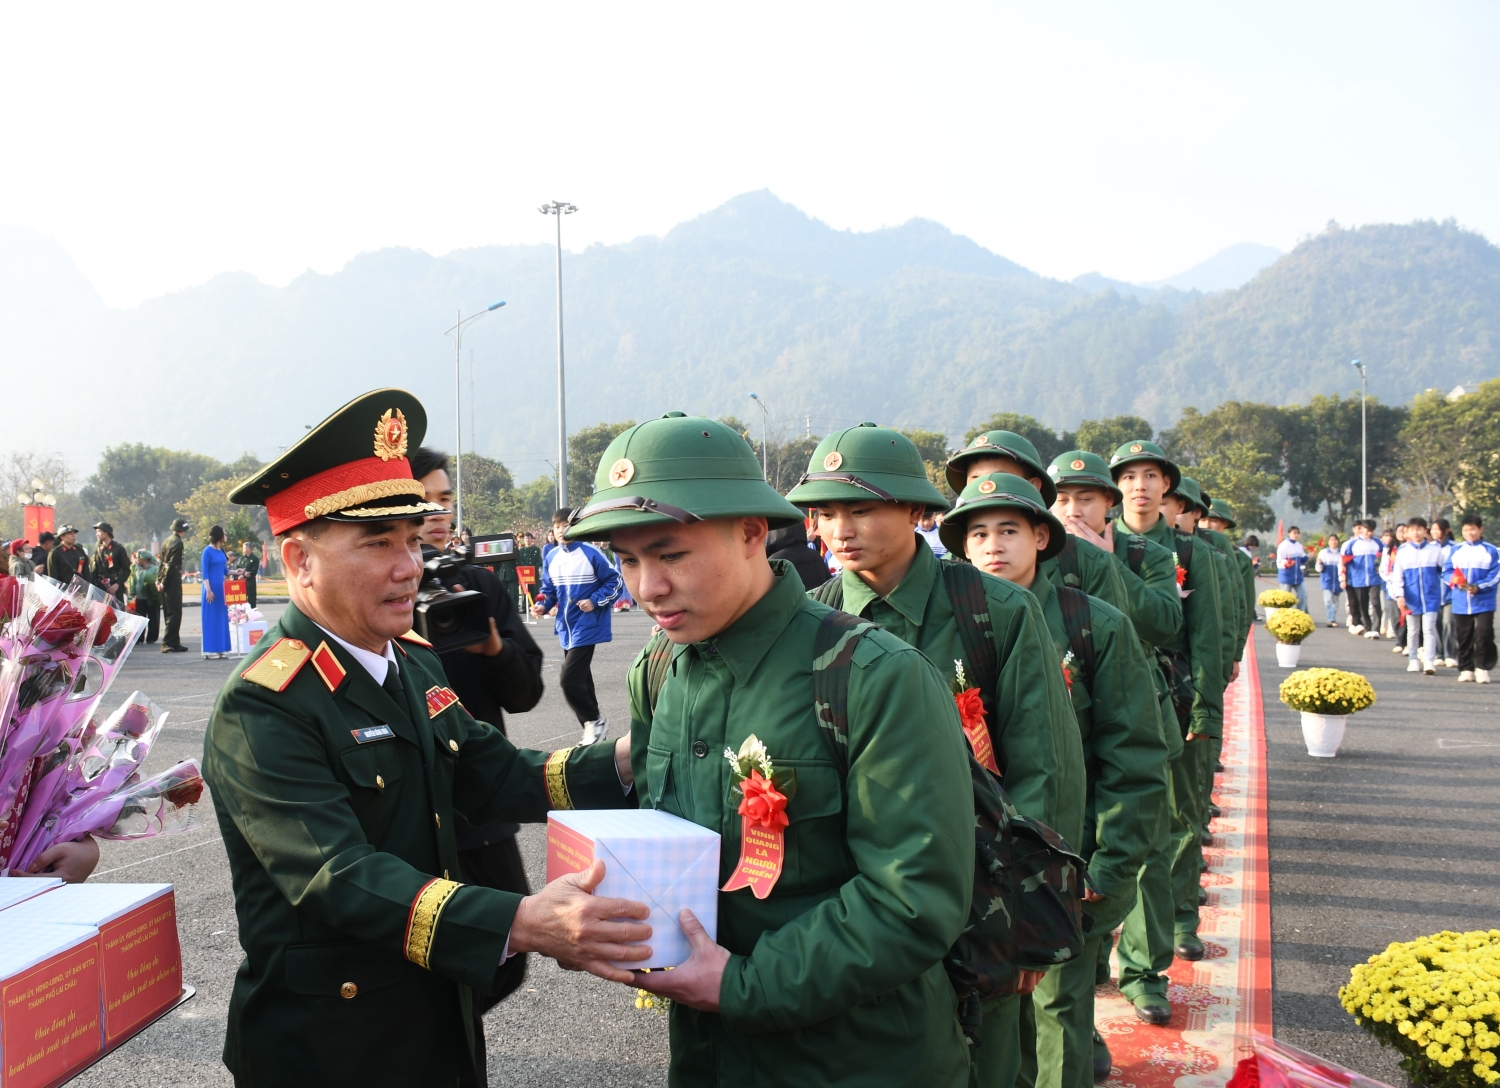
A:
(372, 733)
(439, 700)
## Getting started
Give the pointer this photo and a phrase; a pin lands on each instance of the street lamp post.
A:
(765, 415)
(458, 412)
(1364, 457)
(560, 208)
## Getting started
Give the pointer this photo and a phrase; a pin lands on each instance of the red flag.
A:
(1280, 532)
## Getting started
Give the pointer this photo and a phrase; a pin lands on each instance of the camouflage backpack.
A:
(1027, 906)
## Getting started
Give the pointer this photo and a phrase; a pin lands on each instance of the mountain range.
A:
(911, 325)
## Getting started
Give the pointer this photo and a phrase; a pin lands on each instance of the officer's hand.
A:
(73, 861)
(1028, 980)
(491, 646)
(585, 605)
(580, 930)
(696, 983)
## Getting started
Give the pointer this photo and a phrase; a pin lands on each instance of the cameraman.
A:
(504, 673)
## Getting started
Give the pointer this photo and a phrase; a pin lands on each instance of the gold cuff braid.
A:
(421, 924)
(557, 779)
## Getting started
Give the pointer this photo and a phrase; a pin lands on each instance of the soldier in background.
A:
(248, 567)
(67, 561)
(142, 593)
(111, 566)
(171, 588)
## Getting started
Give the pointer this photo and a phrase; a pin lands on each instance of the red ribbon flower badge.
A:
(971, 714)
(763, 819)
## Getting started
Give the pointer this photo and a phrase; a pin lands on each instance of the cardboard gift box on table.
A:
(49, 1000)
(650, 856)
(140, 960)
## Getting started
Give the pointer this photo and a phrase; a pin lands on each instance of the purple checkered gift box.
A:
(650, 856)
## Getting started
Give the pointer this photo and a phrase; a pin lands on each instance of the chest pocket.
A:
(375, 772)
(817, 852)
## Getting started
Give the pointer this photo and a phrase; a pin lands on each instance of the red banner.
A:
(49, 1017)
(39, 520)
(526, 575)
(234, 591)
(142, 966)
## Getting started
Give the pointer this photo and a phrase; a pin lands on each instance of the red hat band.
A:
(339, 488)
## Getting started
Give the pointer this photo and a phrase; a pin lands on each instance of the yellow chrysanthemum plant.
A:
(1436, 1001)
(1291, 625)
(1327, 691)
(1277, 598)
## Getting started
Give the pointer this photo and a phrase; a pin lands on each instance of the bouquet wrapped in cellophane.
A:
(60, 650)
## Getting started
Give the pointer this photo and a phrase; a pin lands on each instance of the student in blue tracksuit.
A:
(579, 586)
(1330, 566)
(1361, 557)
(1290, 558)
(1418, 582)
(1447, 644)
(1472, 573)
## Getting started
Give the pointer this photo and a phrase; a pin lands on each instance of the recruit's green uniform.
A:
(341, 853)
(171, 588)
(836, 977)
(1097, 575)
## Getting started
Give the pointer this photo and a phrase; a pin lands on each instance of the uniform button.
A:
(438, 818)
(379, 782)
(700, 748)
(348, 990)
(453, 744)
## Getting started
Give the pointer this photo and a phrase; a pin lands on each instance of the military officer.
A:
(1145, 475)
(110, 569)
(869, 488)
(1001, 525)
(170, 581)
(1081, 563)
(338, 760)
(834, 976)
(67, 561)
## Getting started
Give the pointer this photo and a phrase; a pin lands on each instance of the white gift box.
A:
(49, 1000)
(248, 635)
(649, 856)
(140, 959)
(18, 889)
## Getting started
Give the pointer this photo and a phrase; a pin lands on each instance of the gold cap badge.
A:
(986, 486)
(1077, 464)
(390, 435)
(621, 472)
(1135, 448)
(833, 461)
(982, 440)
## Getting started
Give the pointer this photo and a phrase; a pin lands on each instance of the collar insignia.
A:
(327, 666)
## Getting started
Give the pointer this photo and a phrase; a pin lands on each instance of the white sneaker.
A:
(1466, 677)
(1481, 676)
(1451, 662)
(1429, 667)
(1356, 629)
(1414, 666)
(1398, 649)
(1373, 635)
(594, 732)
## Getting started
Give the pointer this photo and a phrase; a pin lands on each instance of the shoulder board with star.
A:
(276, 668)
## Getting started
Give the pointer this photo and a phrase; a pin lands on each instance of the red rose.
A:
(59, 624)
(970, 708)
(764, 805)
(185, 793)
(1181, 575)
(106, 625)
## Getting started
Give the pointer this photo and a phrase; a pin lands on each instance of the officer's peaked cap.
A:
(866, 462)
(678, 468)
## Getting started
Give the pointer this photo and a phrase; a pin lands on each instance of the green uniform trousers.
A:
(1216, 745)
(1007, 1033)
(1146, 938)
(1064, 1052)
(1192, 779)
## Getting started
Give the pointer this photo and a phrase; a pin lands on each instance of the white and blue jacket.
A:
(1330, 563)
(1480, 563)
(571, 573)
(1289, 551)
(1363, 568)
(1419, 576)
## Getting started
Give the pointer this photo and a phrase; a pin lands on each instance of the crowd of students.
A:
(1414, 583)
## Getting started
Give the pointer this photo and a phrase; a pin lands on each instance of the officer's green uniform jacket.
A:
(1035, 739)
(1202, 634)
(336, 805)
(65, 561)
(1230, 596)
(171, 558)
(1097, 576)
(835, 978)
(1123, 750)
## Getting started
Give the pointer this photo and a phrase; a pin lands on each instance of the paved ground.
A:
(1397, 837)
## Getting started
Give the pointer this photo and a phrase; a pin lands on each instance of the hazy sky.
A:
(162, 144)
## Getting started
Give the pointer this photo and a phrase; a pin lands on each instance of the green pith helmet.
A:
(1187, 489)
(1223, 511)
(999, 490)
(677, 468)
(1080, 468)
(1142, 450)
(1000, 444)
(180, 525)
(865, 462)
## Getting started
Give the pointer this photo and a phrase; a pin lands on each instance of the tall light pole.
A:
(1364, 456)
(560, 208)
(765, 415)
(458, 412)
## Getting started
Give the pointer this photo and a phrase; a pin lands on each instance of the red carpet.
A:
(1220, 1001)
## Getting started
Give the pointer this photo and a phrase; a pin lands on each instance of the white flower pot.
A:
(1269, 613)
(1323, 733)
(1287, 654)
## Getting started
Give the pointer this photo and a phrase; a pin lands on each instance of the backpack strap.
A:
(1067, 562)
(833, 657)
(1078, 623)
(1184, 543)
(971, 611)
(830, 592)
(658, 665)
(1135, 554)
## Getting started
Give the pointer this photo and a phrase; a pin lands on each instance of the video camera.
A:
(449, 619)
